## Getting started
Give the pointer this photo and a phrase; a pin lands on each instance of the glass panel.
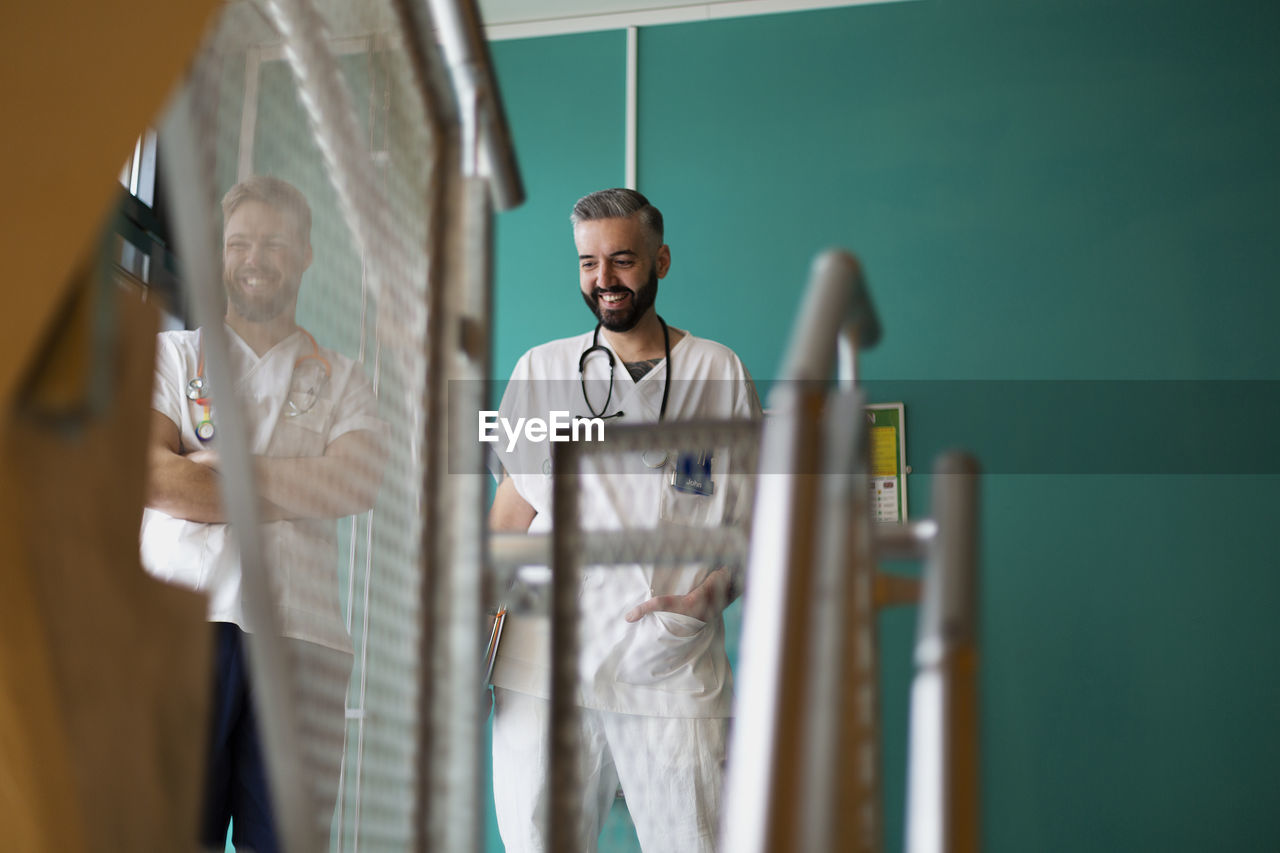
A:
(329, 375)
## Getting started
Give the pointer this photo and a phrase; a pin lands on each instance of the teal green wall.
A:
(1038, 190)
(563, 97)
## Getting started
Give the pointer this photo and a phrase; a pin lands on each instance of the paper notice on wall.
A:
(888, 462)
(884, 498)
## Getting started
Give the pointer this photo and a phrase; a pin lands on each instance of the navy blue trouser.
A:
(236, 780)
(236, 777)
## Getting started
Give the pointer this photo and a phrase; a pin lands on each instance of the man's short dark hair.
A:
(273, 192)
(618, 203)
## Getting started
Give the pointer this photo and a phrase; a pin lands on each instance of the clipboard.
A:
(491, 648)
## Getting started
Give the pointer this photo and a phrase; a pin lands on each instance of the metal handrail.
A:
(764, 808)
(839, 802)
(835, 319)
(802, 772)
(942, 784)
(512, 550)
(476, 174)
(487, 149)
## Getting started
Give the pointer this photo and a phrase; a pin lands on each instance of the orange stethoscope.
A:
(313, 369)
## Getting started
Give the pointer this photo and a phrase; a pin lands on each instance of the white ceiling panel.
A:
(526, 18)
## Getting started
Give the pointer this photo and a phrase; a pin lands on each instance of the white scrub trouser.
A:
(671, 771)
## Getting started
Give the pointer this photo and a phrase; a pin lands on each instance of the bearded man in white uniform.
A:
(318, 447)
(655, 689)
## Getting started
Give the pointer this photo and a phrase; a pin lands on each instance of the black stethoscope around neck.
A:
(597, 346)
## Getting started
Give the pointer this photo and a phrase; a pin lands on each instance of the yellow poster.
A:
(884, 451)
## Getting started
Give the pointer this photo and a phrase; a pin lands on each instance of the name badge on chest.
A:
(692, 473)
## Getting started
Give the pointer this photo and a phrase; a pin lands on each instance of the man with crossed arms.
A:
(318, 447)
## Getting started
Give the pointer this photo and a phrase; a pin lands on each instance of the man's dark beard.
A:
(625, 319)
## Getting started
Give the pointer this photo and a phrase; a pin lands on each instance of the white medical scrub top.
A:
(301, 554)
(666, 664)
